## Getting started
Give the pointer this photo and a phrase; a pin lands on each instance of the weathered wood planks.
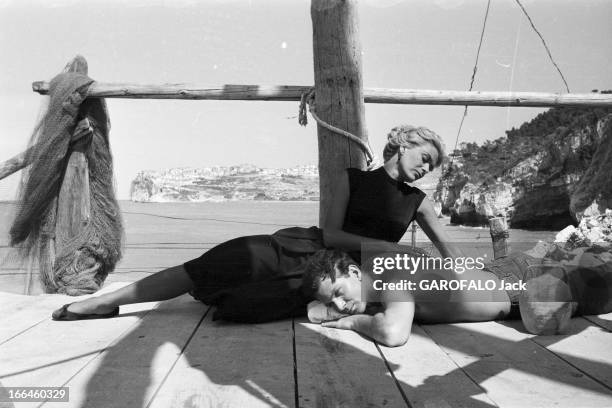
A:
(340, 368)
(429, 378)
(514, 370)
(129, 371)
(233, 365)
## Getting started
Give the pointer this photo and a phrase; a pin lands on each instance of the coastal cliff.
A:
(242, 182)
(545, 175)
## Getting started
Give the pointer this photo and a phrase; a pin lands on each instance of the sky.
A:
(418, 44)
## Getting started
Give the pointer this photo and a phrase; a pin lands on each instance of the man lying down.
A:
(548, 294)
(269, 277)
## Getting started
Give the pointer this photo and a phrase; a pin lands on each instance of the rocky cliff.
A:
(544, 175)
(243, 182)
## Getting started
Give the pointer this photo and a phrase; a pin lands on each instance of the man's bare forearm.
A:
(376, 327)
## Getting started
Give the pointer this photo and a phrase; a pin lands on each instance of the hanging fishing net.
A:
(82, 259)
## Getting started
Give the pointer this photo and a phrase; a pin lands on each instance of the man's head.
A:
(333, 278)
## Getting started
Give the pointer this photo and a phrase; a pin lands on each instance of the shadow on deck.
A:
(172, 354)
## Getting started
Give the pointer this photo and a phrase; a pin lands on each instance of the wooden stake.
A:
(499, 233)
(338, 91)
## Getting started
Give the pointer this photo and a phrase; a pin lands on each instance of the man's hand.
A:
(318, 312)
(345, 323)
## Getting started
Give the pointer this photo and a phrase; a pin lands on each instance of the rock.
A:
(565, 234)
(540, 250)
(546, 175)
(593, 194)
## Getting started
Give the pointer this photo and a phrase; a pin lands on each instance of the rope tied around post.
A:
(308, 98)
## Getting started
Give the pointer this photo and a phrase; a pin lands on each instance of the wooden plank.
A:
(429, 378)
(515, 370)
(603, 320)
(22, 312)
(128, 372)
(340, 368)
(586, 347)
(338, 92)
(371, 95)
(52, 352)
(233, 365)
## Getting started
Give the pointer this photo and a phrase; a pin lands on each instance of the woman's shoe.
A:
(65, 315)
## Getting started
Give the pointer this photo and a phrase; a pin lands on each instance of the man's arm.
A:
(390, 327)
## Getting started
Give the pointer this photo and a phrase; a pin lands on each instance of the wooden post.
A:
(414, 232)
(499, 232)
(338, 91)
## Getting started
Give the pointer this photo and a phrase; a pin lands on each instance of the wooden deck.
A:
(172, 354)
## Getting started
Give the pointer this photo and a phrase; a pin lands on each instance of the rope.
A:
(308, 98)
(545, 46)
(465, 111)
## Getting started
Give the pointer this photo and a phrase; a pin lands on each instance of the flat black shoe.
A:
(65, 315)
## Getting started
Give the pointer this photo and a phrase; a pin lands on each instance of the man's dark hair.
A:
(321, 265)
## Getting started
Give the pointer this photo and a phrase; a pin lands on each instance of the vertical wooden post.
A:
(499, 232)
(338, 91)
(414, 232)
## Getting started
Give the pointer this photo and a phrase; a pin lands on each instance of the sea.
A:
(159, 235)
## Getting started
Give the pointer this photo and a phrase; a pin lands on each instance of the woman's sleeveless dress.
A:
(257, 278)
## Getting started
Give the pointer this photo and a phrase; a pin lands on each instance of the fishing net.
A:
(84, 259)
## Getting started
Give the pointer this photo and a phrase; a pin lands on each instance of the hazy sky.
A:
(420, 44)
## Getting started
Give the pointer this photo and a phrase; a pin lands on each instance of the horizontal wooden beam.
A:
(371, 95)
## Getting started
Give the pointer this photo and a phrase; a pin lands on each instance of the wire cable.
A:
(545, 45)
(465, 111)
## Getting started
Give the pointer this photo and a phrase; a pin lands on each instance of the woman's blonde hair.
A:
(409, 136)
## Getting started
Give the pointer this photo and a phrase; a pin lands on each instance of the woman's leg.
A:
(162, 285)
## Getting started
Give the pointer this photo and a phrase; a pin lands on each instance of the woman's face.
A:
(416, 161)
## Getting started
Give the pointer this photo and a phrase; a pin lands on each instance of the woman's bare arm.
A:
(428, 221)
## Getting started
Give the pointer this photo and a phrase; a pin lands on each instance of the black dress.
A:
(257, 278)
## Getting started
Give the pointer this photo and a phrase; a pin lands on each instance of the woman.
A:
(379, 205)
(257, 278)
